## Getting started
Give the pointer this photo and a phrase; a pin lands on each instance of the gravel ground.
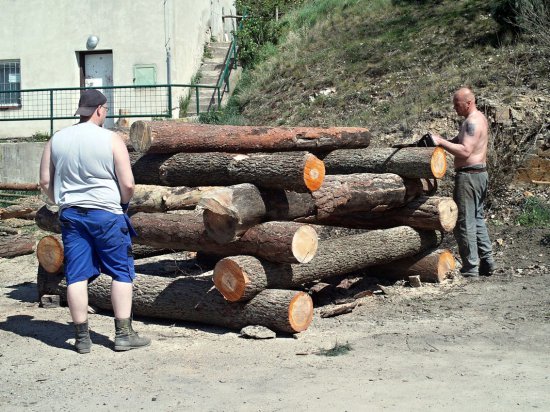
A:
(463, 344)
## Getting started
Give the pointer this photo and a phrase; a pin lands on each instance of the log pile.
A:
(276, 209)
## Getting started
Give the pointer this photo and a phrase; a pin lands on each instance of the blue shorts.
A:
(96, 241)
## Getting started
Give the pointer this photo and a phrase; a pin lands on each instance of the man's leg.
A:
(77, 298)
(484, 247)
(121, 298)
(466, 231)
(114, 248)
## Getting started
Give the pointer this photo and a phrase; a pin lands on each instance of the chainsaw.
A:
(425, 141)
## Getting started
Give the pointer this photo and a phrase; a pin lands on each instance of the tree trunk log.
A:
(410, 162)
(238, 278)
(194, 299)
(178, 137)
(47, 219)
(17, 245)
(287, 242)
(360, 192)
(50, 253)
(274, 241)
(298, 171)
(20, 186)
(430, 266)
(152, 198)
(425, 213)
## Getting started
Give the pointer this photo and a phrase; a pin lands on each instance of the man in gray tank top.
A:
(85, 169)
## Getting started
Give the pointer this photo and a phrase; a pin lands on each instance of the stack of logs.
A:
(276, 209)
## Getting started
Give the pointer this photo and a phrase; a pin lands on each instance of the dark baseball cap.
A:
(89, 101)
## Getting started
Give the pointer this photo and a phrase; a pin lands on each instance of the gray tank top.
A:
(85, 168)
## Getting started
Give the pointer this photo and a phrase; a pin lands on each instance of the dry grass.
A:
(390, 66)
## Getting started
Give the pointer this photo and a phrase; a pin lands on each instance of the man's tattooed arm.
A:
(470, 128)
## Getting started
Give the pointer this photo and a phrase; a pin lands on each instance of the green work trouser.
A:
(470, 231)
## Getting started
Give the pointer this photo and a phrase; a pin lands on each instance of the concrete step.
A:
(212, 66)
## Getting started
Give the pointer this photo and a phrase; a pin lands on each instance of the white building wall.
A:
(47, 37)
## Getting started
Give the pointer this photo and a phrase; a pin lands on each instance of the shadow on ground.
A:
(51, 333)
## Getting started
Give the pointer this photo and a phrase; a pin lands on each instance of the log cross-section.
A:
(178, 137)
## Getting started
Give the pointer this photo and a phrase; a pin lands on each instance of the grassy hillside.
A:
(388, 65)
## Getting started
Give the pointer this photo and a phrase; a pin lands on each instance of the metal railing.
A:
(154, 101)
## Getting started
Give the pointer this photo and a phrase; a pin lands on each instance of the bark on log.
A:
(278, 241)
(430, 266)
(17, 245)
(178, 137)
(239, 278)
(286, 204)
(409, 162)
(343, 194)
(20, 186)
(47, 219)
(298, 171)
(194, 299)
(426, 213)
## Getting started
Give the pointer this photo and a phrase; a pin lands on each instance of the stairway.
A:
(210, 70)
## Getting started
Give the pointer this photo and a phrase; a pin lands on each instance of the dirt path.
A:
(462, 345)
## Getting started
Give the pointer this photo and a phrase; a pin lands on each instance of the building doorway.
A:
(96, 70)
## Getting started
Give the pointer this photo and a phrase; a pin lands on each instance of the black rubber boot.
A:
(83, 343)
(126, 338)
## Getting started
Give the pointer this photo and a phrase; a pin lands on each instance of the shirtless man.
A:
(469, 149)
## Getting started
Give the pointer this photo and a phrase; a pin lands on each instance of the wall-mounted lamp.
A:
(92, 42)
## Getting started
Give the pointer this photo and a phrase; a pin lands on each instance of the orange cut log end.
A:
(445, 264)
(141, 136)
(300, 312)
(314, 172)
(230, 280)
(438, 163)
(304, 244)
(49, 253)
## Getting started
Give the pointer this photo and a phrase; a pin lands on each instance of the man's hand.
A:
(437, 139)
(125, 207)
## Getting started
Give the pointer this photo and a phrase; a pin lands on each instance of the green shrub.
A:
(40, 137)
(535, 212)
(261, 27)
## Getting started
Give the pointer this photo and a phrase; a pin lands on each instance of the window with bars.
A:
(10, 84)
